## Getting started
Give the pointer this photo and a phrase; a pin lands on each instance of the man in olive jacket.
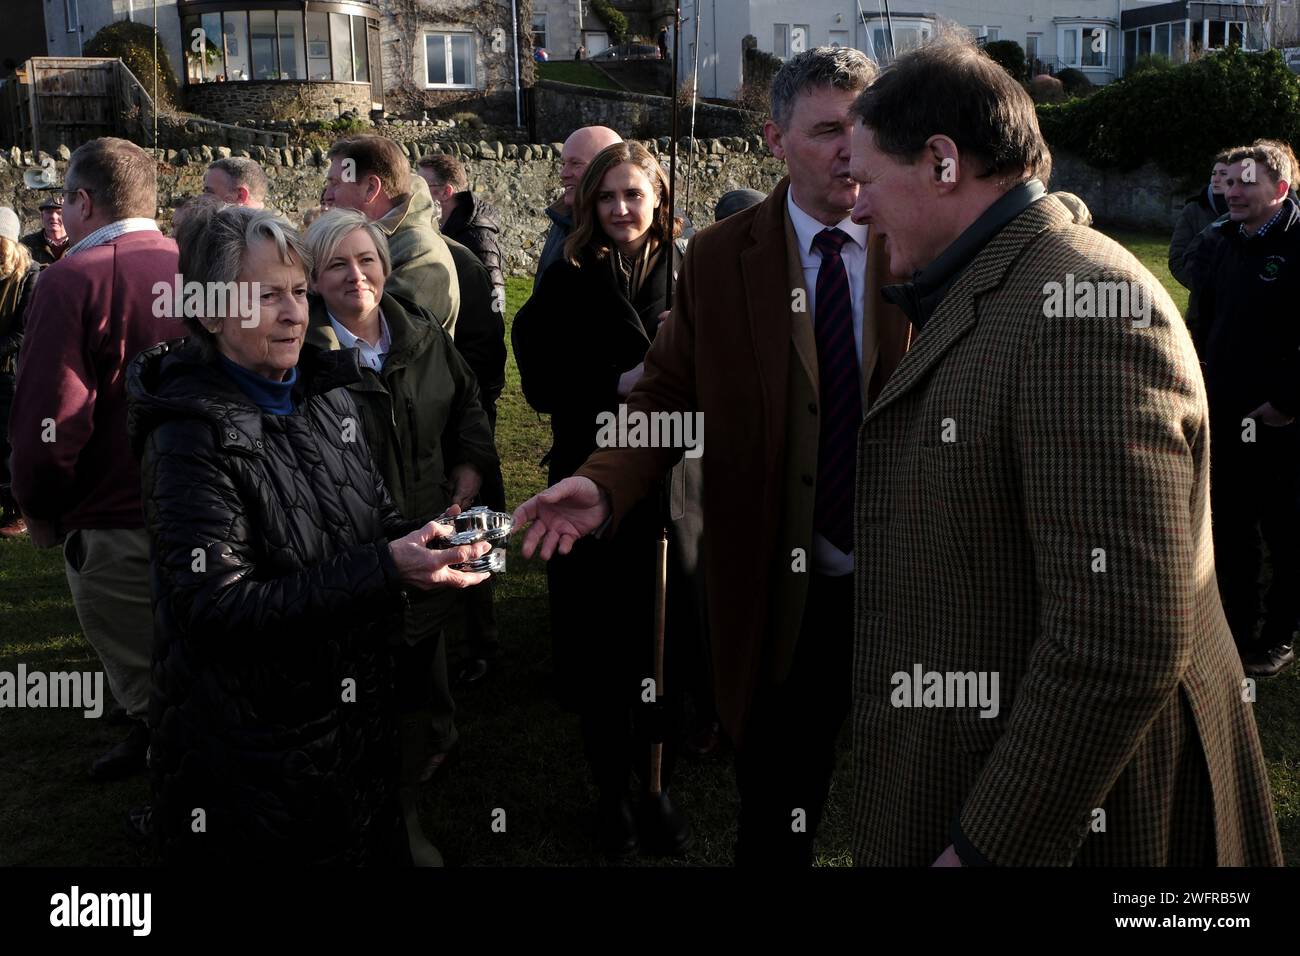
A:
(372, 175)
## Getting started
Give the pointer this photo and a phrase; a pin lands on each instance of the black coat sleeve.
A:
(1184, 233)
(206, 557)
(482, 241)
(468, 436)
(559, 364)
(1202, 258)
(12, 340)
(481, 331)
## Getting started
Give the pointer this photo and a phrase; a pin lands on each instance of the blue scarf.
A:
(274, 398)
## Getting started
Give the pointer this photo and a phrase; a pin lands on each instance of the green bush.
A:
(1076, 82)
(1009, 55)
(614, 19)
(472, 120)
(1113, 127)
(1150, 63)
(134, 43)
(346, 126)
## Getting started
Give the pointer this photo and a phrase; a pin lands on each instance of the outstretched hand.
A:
(561, 515)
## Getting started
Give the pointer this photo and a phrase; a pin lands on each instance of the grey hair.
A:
(840, 67)
(325, 234)
(214, 238)
(245, 172)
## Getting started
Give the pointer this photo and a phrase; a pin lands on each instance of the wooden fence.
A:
(70, 100)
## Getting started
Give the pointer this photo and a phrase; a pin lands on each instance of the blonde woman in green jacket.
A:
(420, 412)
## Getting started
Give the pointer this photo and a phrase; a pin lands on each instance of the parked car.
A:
(629, 51)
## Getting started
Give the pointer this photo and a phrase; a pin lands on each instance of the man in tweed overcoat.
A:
(1032, 503)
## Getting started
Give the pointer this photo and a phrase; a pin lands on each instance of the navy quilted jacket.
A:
(274, 595)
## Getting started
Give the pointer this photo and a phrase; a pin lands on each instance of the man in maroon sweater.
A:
(74, 476)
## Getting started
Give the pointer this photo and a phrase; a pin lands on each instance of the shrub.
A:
(1046, 89)
(346, 126)
(1113, 127)
(1076, 82)
(755, 93)
(1009, 55)
(134, 43)
(614, 19)
(1150, 63)
(472, 120)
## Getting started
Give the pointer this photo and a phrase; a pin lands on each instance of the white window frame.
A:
(473, 59)
(1083, 33)
(546, 39)
(807, 38)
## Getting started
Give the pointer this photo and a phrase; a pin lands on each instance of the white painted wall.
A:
(725, 22)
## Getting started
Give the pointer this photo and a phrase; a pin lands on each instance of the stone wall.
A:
(275, 100)
(520, 180)
(560, 108)
(1144, 198)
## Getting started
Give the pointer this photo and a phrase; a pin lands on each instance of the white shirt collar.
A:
(109, 232)
(371, 355)
(806, 227)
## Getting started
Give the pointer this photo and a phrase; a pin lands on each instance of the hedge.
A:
(1179, 118)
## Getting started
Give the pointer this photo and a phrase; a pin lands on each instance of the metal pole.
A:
(155, 73)
(661, 546)
(514, 26)
(695, 95)
(672, 156)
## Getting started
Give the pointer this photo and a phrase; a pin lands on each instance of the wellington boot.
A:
(413, 738)
(423, 853)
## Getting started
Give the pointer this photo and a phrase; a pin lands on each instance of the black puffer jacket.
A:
(274, 595)
(475, 224)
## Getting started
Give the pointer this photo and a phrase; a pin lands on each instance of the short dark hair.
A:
(842, 68)
(378, 156)
(245, 172)
(950, 87)
(449, 170)
(118, 174)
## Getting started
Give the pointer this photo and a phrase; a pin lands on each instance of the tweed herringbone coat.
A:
(1032, 500)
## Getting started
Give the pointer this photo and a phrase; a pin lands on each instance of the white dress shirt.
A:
(826, 558)
(372, 356)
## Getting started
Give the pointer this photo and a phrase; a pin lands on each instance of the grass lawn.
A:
(575, 72)
(521, 754)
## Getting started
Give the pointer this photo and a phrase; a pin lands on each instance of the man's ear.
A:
(772, 134)
(243, 194)
(374, 188)
(944, 161)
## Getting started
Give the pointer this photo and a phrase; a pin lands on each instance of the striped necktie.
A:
(840, 394)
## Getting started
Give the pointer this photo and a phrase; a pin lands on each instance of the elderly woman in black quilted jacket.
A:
(280, 568)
